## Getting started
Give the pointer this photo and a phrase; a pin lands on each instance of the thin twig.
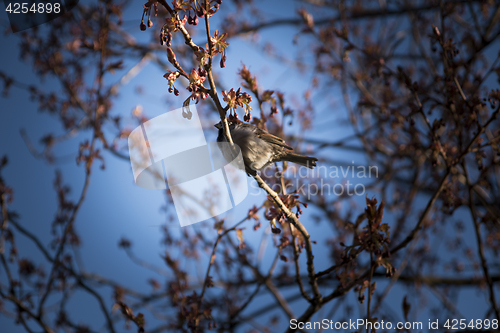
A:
(480, 247)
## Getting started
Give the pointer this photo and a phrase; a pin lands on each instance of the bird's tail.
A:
(306, 161)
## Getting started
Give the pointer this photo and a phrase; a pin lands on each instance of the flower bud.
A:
(193, 20)
(168, 39)
(202, 72)
(171, 57)
(200, 11)
(213, 10)
(275, 230)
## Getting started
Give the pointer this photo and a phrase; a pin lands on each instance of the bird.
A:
(258, 147)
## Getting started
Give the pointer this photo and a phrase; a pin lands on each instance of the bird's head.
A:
(231, 122)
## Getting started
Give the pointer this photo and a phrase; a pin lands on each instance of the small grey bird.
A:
(259, 148)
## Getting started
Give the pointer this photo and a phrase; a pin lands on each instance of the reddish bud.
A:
(202, 72)
(436, 30)
(193, 20)
(171, 57)
(200, 11)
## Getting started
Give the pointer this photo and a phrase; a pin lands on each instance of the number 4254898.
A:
(478, 324)
(36, 8)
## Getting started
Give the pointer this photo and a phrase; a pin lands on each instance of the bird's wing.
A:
(272, 138)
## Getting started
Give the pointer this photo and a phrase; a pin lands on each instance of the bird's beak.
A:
(218, 126)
